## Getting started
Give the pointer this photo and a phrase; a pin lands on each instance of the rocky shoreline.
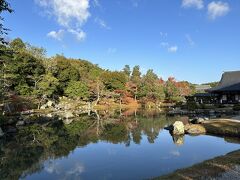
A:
(219, 168)
(220, 127)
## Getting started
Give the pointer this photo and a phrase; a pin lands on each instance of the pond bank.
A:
(222, 167)
(222, 127)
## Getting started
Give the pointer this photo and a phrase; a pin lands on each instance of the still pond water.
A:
(105, 145)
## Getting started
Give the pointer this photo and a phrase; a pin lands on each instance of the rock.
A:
(197, 120)
(68, 114)
(169, 128)
(50, 104)
(178, 128)
(20, 123)
(195, 129)
(200, 120)
(43, 106)
(1, 132)
(49, 115)
(67, 121)
(27, 112)
(178, 140)
(206, 118)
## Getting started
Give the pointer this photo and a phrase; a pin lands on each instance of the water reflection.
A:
(52, 150)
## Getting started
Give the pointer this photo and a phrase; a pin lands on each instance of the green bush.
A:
(236, 107)
(191, 105)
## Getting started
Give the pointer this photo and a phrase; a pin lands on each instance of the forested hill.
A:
(26, 71)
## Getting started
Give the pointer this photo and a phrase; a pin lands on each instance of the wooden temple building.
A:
(226, 92)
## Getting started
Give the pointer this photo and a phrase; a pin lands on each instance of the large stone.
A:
(43, 106)
(20, 123)
(178, 128)
(50, 104)
(68, 115)
(195, 129)
(197, 120)
(49, 115)
(178, 139)
(200, 120)
(67, 121)
(1, 132)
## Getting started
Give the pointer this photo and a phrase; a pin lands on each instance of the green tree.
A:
(6, 77)
(4, 6)
(48, 85)
(37, 52)
(77, 89)
(114, 80)
(65, 72)
(151, 88)
(127, 71)
(27, 69)
(136, 75)
(17, 45)
(171, 90)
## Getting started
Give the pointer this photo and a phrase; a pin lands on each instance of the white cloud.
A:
(70, 14)
(168, 47)
(199, 4)
(164, 44)
(217, 9)
(175, 153)
(189, 40)
(102, 23)
(80, 35)
(58, 35)
(163, 34)
(172, 49)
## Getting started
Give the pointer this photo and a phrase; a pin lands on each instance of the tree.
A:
(27, 69)
(136, 75)
(114, 80)
(127, 71)
(65, 72)
(171, 90)
(151, 87)
(6, 79)
(4, 6)
(48, 85)
(17, 45)
(77, 89)
(37, 52)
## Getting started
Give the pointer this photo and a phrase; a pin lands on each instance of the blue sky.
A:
(194, 40)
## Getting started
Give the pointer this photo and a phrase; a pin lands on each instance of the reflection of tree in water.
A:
(25, 153)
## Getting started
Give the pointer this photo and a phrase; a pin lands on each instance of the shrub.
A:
(236, 107)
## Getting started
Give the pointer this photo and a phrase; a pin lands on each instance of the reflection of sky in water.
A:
(105, 160)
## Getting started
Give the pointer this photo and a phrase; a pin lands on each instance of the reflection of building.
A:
(228, 89)
(226, 92)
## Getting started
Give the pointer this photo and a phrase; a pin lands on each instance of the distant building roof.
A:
(203, 95)
(230, 81)
(202, 88)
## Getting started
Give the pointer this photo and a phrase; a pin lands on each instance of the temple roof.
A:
(230, 81)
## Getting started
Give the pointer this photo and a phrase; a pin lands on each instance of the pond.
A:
(105, 145)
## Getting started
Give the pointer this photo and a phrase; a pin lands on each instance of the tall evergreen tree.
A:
(127, 71)
(4, 6)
